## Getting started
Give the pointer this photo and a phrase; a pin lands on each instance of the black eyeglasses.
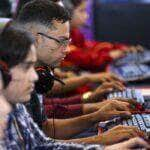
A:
(61, 42)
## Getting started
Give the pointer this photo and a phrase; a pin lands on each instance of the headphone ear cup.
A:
(45, 82)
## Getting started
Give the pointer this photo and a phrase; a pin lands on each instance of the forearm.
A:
(96, 77)
(64, 111)
(70, 84)
(77, 99)
(71, 126)
(89, 140)
(94, 97)
(89, 108)
(69, 111)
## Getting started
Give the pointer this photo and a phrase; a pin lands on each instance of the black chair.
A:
(127, 22)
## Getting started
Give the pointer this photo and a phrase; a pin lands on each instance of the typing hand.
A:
(133, 105)
(135, 49)
(140, 48)
(119, 134)
(111, 109)
(134, 143)
(104, 77)
(124, 104)
(114, 85)
(104, 89)
(93, 107)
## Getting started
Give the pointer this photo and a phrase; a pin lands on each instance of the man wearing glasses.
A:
(49, 23)
(59, 44)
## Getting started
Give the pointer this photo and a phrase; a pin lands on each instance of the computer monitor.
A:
(123, 22)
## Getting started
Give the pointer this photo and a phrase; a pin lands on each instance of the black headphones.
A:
(46, 79)
(6, 76)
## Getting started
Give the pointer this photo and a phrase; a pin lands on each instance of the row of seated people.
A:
(75, 100)
(84, 55)
(48, 22)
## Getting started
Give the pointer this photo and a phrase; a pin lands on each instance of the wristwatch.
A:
(86, 96)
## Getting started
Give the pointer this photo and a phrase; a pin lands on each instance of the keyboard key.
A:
(134, 121)
(119, 94)
(130, 123)
(124, 123)
(141, 122)
(129, 95)
(146, 119)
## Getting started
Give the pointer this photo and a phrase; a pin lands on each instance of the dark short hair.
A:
(23, 2)
(42, 11)
(15, 45)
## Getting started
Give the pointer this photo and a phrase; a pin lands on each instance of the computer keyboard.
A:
(128, 93)
(141, 121)
(139, 57)
(131, 72)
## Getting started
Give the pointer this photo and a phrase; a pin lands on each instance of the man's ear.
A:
(38, 39)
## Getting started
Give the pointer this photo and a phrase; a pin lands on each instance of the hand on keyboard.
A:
(104, 89)
(124, 105)
(134, 143)
(103, 77)
(119, 134)
(133, 105)
(141, 121)
(113, 109)
(115, 85)
(133, 96)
